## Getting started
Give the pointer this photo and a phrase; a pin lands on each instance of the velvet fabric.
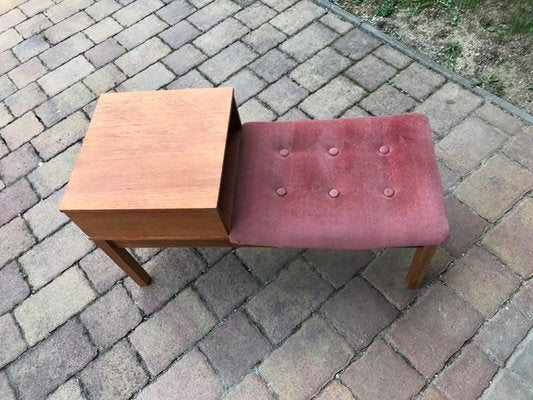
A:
(358, 183)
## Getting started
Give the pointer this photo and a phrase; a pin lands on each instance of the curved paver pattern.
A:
(73, 327)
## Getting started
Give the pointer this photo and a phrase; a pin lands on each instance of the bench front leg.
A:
(419, 266)
(125, 261)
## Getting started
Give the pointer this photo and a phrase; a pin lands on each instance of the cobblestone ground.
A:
(252, 323)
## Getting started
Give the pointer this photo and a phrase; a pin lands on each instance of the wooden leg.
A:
(125, 261)
(419, 265)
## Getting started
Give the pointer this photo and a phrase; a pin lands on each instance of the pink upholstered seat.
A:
(346, 183)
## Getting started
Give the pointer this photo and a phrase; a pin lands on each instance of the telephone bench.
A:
(177, 168)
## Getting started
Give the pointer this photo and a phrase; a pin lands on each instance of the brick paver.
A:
(252, 323)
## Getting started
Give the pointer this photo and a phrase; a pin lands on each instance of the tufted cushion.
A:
(346, 183)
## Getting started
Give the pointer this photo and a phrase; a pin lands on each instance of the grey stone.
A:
(264, 38)
(101, 270)
(220, 36)
(387, 100)
(184, 59)
(296, 17)
(64, 51)
(68, 27)
(20, 239)
(12, 343)
(13, 287)
(152, 78)
(283, 95)
(356, 44)
(135, 11)
(105, 52)
(141, 57)
(28, 72)
(255, 15)
(228, 61)
(245, 84)
(103, 30)
(15, 165)
(213, 13)
(140, 32)
(175, 11)
(273, 65)
(25, 99)
(64, 76)
(308, 41)
(30, 48)
(105, 79)
(371, 72)
(178, 35)
(45, 217)
(15, 199)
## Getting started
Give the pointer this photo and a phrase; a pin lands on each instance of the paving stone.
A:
(52, 361)
(220, 36)
(255, 14)
(152, 78)
(20, 131)
(143, 254)
(30, 48)
(9, 39)
(184, 59)
(308, 41)
(356, 44)
(228, 61)
(336, 23)
(253, 110)
(319, 69)
(178, 35)
(13, 166)
(338, 266)
(3, 149)
(5, 117)
(175, 11)
(226, 285)
(64, 51)
(6, 393)
(250, 387)
(294, 114)
(418, 81)
(212, 254)
(6, 87)
(12, 343)
(524, 299)
(105, 52)
(520, 362)
(45, 217)
(103, 30)
(495, 187)
(307, 360)
(102, 81)
(500, 336)
(101, 271)
(64, 76)
(192, 79)
(447, 106)
(68, 27)
(355, 112)
(70, 390)
(136, 11)
(171, 270)
(13, 287)
(434, 329)
(332, 99)
(66, 8)
(288, 300)
(448, 177)
(273, 65)
(102, 8)
(392, 56)
(32, 7)
(54, 173)
(371, 72)
(20, 239)
(141, 31)
(190, 378)
(89, 109)
(25, 99)
(500, 119)
(116, 374)
(110, 317)
(200, 3)
(264, 38)
(50, 257)
(34, 25)
(506, 386)
(279, 5)
(482, 280)
(15, 199)
(10, 19)
(172, 330)
(465, 226)
(266, 262)
(141, 57)
(64, 104)
(7, 61)
(335, 391)
(382, 374)
(246, 85)
(282, 95)
(520, 149)
(471, 363)
(468, 144)
(212, 14)
(359, 312)
(27, 72)
(296, 17)
(387, 100)
(387, 273)
(432, 393)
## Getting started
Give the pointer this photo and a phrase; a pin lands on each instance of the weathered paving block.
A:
(434, 329)
(273, 65)
(418, 81)
(308, 41)
(371, 72)
(6, 87)
(111, 317)
(255, 15)
(227, 62)
(68, 27)
(34, 25)
(7, 61)
(139, 32)
(336, 23)
(288, 300)
(5, 116)
(13, 287)
(387, 100)
(115, 374)
(6, 392)
(264, 38)
(66, 8)
(356, 44)
(184, 59)
(392, 56)
(266, 262)
(306, 360)
(135, 11)
(520, 362)
(226, 285)
(152, 78)
(283, 95)
(70, 390)
(27, 72)
(33, 7)
(103, 30)
(180, 34)
(234, 347)
(25, 99)
(139, 58)
(12, 343)
(296, 17)
(101, 270)
(246, 84)
(175, 11)
(336, 391)
(382, 374)
(191, 377)
(64, 76)
(507, 385)
(102, 8)
(212, 14)
(104, 79)
(105, 52)
(251, 387)
(520, 148)
(65, 50)
(220, 36)
(51, 306)
(170, 331)
(30, 48)
(17, 133)
(500, 119)
(20, 239)
(45, 217)
(44, 368)
(8, 39)
(10, 19)
(15, 199)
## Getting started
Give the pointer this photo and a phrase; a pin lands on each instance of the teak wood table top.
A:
(159, 150)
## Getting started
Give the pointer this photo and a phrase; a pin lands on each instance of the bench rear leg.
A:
(419, 266)
(125, 261)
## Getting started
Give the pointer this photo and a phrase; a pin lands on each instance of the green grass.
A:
(386, 8)
(522, 21)
(452, 51)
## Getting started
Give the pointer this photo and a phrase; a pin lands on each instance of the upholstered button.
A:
(333, 151)
(334, 193)
(388, 192)
(281, 191)
(284, 152)
(384, 149)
